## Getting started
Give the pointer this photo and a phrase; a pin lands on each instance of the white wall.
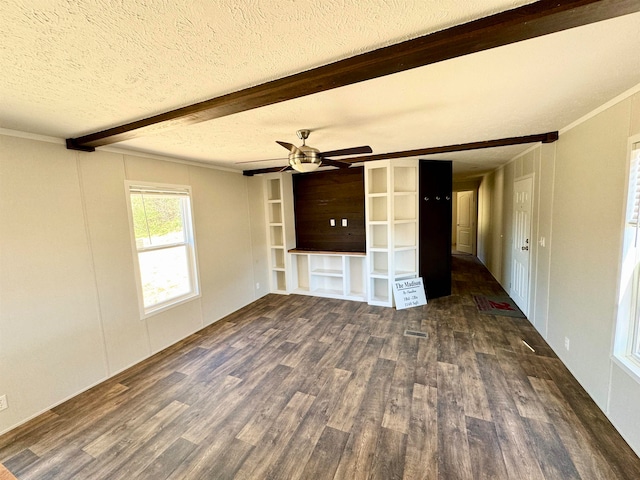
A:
(589, 197)
(68, 306)
(580, 196)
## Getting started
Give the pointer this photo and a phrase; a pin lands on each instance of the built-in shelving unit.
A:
(391, 211)
(391, 207)
(329, 274)
(280, 235)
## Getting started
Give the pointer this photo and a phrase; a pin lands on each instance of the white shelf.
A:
(379, 274)
(404, 276)
(327, 273)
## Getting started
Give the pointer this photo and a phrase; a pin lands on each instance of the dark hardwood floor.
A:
(300, 387)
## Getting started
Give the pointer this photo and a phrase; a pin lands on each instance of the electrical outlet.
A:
(3, 402)
(344, 222)
(257, 285)
(332, 222)
(566, 343)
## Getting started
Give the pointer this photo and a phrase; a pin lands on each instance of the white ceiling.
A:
(74, 67)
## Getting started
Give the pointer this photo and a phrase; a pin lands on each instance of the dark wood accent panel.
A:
(548, 137)
(298, 387)
(522, 23)
(320, 196)
(435, 187)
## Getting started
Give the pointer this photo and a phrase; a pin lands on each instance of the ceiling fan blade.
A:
(335, 163)
(347, 151)
(289, 146)
(280, 159)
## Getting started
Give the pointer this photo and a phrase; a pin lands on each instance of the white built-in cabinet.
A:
(391, 206)
(391, 209)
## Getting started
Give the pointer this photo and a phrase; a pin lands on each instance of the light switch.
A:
(332, 222)
(344, 222)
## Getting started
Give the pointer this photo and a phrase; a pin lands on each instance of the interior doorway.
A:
(519, 291)
(465, 222)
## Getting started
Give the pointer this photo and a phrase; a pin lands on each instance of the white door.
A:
(521, 243)
(465, 214)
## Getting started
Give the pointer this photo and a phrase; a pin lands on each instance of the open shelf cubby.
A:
(379, 235)
(379, 290)
(276, 237)
(404, 234)
(273, 189)
(405, 179)
(327, 264)
(277, 258)
(404, 206)
(379, 263)
(378, 209)
(279, 280)
(377, 181)
(405, 262)
(275, 212)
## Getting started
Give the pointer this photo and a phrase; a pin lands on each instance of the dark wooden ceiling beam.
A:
(548, 137)
(523, 23)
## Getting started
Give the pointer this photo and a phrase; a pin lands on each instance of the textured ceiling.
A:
(75, 67)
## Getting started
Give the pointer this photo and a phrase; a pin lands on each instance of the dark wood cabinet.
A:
(435, 189)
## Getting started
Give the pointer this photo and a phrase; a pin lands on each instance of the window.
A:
(627, 338)
(162, 231)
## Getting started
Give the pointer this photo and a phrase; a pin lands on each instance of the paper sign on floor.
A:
(409, 293)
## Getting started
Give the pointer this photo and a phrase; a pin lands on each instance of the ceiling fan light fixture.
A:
(305, 167)
(305, 159)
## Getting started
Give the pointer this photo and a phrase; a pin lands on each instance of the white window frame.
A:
(626, 345)
(190, 243)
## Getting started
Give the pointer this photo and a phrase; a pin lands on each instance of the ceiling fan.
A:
(307, 159)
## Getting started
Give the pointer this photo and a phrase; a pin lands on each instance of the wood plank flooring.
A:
(295, 387)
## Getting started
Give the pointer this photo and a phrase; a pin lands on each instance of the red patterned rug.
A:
(501, 305)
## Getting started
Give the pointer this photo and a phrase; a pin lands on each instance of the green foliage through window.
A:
(157, 219)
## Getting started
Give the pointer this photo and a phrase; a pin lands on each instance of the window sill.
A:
(629, 364)
(163, 308)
